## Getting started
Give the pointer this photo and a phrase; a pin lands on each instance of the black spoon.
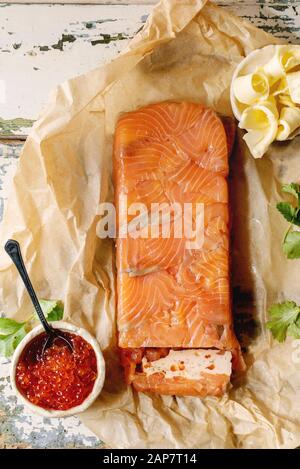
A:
(12, 248)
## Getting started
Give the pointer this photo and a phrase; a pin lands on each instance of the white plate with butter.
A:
(265, 96)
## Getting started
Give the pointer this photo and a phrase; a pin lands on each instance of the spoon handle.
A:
(12, 248)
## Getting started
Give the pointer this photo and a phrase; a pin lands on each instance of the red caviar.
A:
(60, 378)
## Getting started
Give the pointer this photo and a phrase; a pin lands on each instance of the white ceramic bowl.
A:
(98, 385)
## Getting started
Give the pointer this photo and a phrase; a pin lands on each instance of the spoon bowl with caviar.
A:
(57, 370)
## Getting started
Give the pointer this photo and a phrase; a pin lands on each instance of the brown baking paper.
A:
(187, 50)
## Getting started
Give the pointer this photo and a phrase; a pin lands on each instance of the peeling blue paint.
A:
(107, 38)
(11, 126)
(93, 24)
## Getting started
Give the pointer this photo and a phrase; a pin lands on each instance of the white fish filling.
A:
(190, 363)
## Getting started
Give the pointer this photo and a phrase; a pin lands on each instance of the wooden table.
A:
(42, 45)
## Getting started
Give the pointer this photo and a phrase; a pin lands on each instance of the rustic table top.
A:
(42, 45)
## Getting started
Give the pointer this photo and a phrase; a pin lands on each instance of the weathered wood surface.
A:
(62, 41)
(40, 46)
(66, 40)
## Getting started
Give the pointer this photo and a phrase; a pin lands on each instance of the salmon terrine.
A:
(175, 328)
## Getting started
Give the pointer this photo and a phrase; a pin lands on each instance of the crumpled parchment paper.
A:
(187, 50)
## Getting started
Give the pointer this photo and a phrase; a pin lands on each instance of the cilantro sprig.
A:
(12, 332)
(291, 241)
(285, 320)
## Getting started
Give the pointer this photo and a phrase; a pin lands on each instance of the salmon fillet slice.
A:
(138, 254)
(206, 385)
(173, 294)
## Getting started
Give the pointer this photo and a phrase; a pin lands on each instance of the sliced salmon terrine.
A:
(175, 327)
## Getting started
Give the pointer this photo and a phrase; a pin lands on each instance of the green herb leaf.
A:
(283, 316)
(8, 343)
(296, 220)
(287, 210)
(294, 331)
(52, 309)
(291, 245)
(12, 332)
(293, 189)
(9, 326)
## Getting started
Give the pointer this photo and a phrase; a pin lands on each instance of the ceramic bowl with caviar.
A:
(58, 382)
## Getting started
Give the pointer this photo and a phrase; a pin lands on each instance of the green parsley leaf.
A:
(12, 332)
(293, 189)
(9, 326)
(52, 309)
(283, 316)
(8, 343)
(291, 245)
(291, 242)
(296, 220)
(287, 210)
(294, 331)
